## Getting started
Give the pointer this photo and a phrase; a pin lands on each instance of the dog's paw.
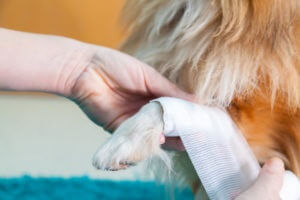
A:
(137, 139)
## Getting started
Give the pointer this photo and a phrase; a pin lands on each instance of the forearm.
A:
(35, 62)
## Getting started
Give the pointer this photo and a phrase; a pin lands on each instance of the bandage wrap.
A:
(221, 156)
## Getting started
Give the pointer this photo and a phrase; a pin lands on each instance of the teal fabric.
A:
(83, 188)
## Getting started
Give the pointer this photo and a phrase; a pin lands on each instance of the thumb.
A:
(268, 183)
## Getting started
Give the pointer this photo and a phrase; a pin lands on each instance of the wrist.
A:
(82, 84)
(74, 66)
(83, 81)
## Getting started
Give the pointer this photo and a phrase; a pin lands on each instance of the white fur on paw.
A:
(135, 140)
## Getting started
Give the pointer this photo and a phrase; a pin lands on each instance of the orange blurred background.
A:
(93, 21)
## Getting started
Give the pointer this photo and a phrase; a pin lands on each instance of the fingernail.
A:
(275, 165)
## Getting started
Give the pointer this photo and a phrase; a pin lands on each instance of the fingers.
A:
(160, 86)
(271, 176)
(269, 182)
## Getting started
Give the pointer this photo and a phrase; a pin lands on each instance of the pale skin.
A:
(109, 86)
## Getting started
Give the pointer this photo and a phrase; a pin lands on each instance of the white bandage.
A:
(221, 156)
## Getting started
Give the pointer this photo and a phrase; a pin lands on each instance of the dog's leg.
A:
(136, 139)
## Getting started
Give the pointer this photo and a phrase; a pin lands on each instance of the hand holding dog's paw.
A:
(137, 139)
(114, 86)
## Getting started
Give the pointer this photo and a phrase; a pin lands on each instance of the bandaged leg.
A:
(221, 157)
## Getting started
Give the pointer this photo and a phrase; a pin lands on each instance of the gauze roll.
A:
(221, 156)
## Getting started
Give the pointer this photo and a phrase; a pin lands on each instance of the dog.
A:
(242, 55)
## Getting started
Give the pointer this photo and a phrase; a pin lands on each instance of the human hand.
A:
(268, 183)
(108, 85)
(114, 86)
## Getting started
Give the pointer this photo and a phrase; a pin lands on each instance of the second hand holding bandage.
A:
(220, 154)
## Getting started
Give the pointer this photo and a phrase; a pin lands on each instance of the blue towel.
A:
(84, 188)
